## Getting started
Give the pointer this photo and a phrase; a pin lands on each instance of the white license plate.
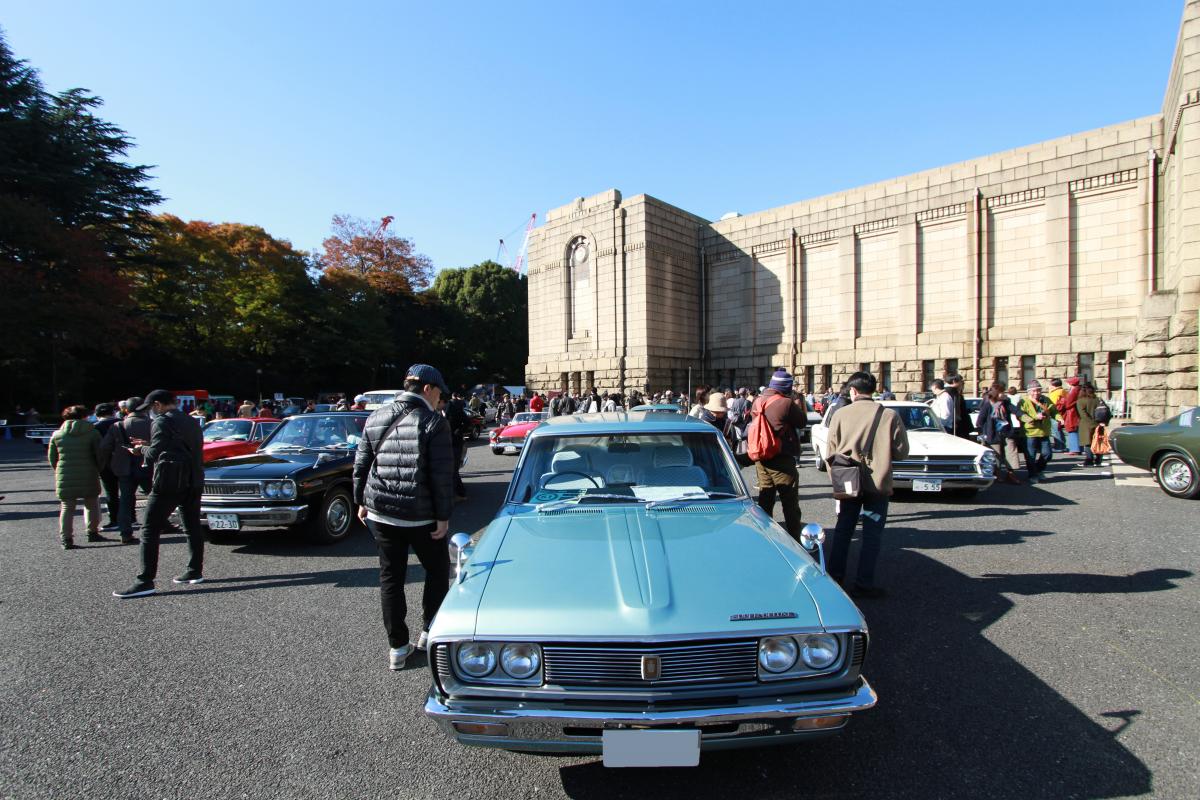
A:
(223, 522)
(651, 748)
(926, 485)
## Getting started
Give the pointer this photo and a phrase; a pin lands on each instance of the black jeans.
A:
(458, 445)
(112, 494)
(873, 509)
(158, 513)
(434, 555)
(127, 510)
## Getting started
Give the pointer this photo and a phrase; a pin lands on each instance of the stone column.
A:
(1057, 305)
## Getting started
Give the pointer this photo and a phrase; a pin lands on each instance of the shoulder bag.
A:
(847, 474)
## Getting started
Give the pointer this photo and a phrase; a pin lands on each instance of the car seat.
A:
(672, 466)
(620, 474)
(571, 461)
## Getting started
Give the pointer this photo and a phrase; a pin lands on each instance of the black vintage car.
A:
(300, 476)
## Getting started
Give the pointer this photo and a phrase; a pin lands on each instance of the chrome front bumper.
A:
(257, 516)
(560, 728)
(951, 480)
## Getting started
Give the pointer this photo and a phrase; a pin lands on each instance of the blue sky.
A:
(462, 119)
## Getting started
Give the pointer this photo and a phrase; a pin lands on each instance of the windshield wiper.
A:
(691, 497)
(287, 448)
(554, 505)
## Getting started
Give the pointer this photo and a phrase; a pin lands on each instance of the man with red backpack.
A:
(773, 446)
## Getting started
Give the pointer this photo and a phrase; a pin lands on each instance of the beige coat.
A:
(849, 430)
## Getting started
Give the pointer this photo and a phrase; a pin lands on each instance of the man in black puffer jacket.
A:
(403, 484)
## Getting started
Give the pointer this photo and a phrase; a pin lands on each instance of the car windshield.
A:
(380, 398)
(316, 432)
(529, 416)
(973, 404)
(626, 468)
(228, 430)
(917, 418)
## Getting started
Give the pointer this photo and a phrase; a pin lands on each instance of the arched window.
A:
(580, 284)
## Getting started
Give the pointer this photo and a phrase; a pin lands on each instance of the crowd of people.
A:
(407, 467)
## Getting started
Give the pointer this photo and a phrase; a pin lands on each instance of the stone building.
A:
(1079, 255)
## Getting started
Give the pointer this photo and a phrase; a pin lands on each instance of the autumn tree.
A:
(227, 290)
(370, 250)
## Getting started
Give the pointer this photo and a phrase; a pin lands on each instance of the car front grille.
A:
(232, 489)
(941, 465)
(715, 663)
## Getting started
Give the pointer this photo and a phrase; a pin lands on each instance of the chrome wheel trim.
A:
(1176, 475)
(337, 516)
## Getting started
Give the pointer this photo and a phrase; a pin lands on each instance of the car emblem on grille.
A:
(651, 668)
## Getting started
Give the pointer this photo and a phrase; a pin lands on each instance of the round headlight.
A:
(820, 650)
(287, 489)
(271, 489)
(520, 660)
(476, 659)
(777, 654)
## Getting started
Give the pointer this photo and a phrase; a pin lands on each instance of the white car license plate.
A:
(651, 748)
(224, 522)
(920, 485)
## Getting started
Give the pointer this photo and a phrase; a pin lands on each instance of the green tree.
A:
(72, 213)
(488, 305)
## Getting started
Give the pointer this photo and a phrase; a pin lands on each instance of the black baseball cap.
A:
(157, 396)
(427, 374)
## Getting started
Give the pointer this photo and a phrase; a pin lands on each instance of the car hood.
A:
(519, 430)
(260, 465)
(936, 443)
(633, 573)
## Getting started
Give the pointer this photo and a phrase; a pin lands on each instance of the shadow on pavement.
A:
(340, 578)
(957, 715)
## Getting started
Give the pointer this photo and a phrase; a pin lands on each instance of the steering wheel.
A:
(546, 485)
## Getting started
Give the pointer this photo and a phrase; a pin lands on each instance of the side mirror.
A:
(460, 545)
(812, 537)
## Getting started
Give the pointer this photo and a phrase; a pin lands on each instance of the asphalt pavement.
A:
(1037, 642)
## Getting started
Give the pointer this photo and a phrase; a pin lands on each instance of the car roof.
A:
(621, 422)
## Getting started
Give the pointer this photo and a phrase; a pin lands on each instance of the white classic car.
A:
(936, 460)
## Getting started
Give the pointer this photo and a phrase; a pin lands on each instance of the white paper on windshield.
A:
(666, 492)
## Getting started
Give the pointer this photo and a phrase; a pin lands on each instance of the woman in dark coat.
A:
(74, 454)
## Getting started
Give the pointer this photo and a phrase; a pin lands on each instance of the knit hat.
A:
(1033, 385)
(781, 381)
(716, 403)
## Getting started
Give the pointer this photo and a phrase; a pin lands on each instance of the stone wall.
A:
(1076, 255)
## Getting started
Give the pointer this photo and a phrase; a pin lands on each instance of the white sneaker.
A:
(423, 640)
(398, 655)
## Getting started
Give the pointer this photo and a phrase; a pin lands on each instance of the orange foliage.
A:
(389, 263)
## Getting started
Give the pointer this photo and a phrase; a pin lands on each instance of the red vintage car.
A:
(235, 437)
(513, 434)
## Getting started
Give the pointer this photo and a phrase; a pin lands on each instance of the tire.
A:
(821, 465)
(1177, 476)
(474, 434)
(498, 451)
(333, 518)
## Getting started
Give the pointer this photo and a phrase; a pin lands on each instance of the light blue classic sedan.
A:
(631, 600)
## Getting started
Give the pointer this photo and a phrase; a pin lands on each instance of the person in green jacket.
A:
(1037, 414)
(74, 454)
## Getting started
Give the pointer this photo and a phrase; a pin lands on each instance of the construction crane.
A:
(517, 265)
